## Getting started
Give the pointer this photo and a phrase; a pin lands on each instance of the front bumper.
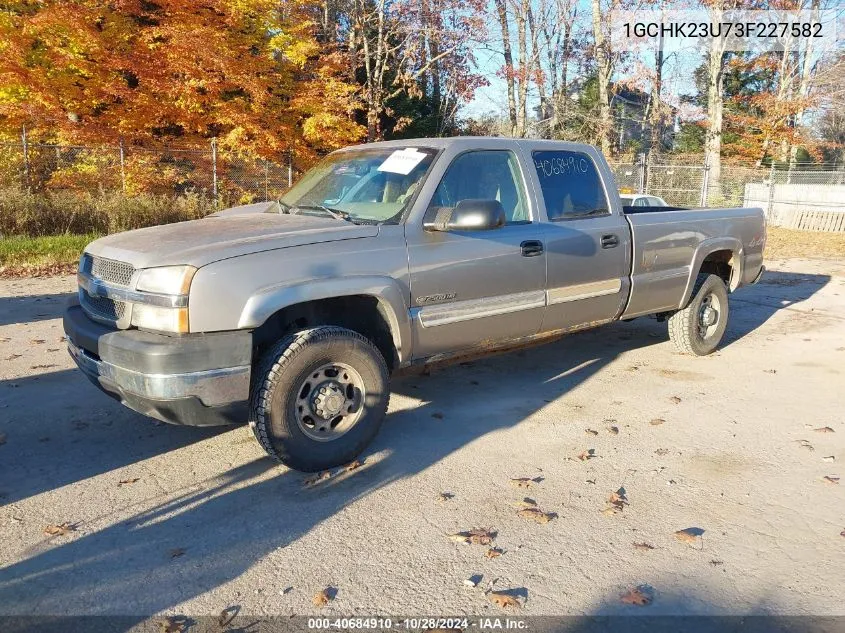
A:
(197, 380)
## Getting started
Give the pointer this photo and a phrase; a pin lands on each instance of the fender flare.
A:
(391, 300)
(706, 248)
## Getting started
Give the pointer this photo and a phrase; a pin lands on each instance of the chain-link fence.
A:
(802, 196)
(225, 177)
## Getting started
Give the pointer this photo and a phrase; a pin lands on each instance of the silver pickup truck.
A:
(292, 314)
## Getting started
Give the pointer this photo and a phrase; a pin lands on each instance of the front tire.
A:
(318, 398)
(698, 328)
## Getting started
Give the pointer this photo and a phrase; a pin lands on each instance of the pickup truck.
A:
(293, 314)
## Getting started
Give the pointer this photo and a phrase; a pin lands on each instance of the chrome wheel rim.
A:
(329, 401)
(709, 314)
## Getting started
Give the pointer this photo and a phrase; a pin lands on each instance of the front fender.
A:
(706, 248)
(266, 302)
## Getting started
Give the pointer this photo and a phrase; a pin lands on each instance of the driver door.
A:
(471, 288)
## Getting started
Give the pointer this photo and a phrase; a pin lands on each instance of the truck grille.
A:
(110, 271)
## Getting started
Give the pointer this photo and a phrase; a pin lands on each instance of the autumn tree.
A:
(251, 73)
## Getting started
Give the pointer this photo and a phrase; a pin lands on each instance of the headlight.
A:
(167, 280)
(160, 319)
(173, 282)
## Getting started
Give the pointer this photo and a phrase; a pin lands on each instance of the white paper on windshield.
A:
(402, 161)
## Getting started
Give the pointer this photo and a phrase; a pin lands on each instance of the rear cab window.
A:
(570, 184)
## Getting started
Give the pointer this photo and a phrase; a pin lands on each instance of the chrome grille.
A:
(111, 271)
(103, 308)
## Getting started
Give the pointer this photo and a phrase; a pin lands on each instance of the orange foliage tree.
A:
(157, 72)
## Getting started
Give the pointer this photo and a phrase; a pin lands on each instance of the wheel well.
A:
(362, 313)
(719, 263)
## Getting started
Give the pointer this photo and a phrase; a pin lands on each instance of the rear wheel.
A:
(319, 397)
(698, 328)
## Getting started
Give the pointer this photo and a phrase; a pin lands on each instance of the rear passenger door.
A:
(588, 245)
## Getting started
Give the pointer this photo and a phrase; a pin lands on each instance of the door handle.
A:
(609, 241)
(531, 248)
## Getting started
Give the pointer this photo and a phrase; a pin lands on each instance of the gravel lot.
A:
(190, 521)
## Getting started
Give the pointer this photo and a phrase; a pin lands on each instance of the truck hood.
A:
(231, 233)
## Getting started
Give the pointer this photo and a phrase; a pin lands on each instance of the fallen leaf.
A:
(226, 616)
(445, 496)
(38, 341)
(437, 416)
(618, 499)
(536, 515)
(59, 530)
(523, 482)
(689, 535)
(830, 479)
(173, 624)
(675, 399)
(805, 444)
(495, 552)
(614, 430)
(770, 371)
(310, 481)
(824, 429)
(321, 598)
(657, 421)
(504, 600)
(176, 552)
(661, 451)
(124, 482)
(590, 453)
(643, 546)
(13, 356)
(475, 536)
(716, 563)
(591, 431)
(353, 465)
(637, 597)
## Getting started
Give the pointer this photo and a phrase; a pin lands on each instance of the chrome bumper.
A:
(213, 387)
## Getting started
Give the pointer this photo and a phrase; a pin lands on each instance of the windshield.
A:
(371, 185)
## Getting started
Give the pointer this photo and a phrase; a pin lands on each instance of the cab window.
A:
(570, 184)
(487, 175)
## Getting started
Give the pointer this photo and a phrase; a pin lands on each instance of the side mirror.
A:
(469, 215)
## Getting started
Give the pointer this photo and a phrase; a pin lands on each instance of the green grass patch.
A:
(18, 251)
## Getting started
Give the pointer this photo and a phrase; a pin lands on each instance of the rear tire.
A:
(318, 398)
(698, 328)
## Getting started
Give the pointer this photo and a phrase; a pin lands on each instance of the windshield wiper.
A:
(338, 214)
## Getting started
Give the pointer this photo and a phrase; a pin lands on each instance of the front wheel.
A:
(319, 397)
(698, 328)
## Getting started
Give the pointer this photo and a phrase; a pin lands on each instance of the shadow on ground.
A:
(122, 568)
(31, 308)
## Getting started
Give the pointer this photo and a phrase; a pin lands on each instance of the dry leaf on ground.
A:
(824, 429)
(805, 444)
(536, 514)
(321, 598)
(173, 624)
(445, 496)
(675, 399)
(590, 453)
(830, 479)
(636, 596)
(353, 465)
(618, 498)
(226, 616)
(176, 552)
(475, 536)
(661, 452)
(689, 535)
(504, 600)
(657, 421)
(643, 546)
(591, 431)
(59, 530)
(494, 552)
(38, 341)
(614, 430)
(524, 482)
(124, 482)
(313, 479)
